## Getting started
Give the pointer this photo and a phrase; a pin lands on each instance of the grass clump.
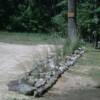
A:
(69, 47)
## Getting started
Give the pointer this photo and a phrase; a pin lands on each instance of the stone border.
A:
(44, 75)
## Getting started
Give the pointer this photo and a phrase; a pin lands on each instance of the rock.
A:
(82, 52)
(22, 88)
(52, 64)
(50, 56)
(70, 63)
(13, 85)
(80, 49)
(26, 89)
(56, 67)
(43, 61)
(40, 82)
(74, 58)
(61, 69)
(77, 52)
(67, 58)
(66, 64)
(35, 74)
(60, 64)
(53, 72)
(51, 82)
(31, 81)
(42, 75)
(49, 75)
(78, 56)
(40, 91)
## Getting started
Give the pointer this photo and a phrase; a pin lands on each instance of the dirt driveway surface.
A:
(79, 83)
(15, 60)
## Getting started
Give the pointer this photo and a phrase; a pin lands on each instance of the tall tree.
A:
(72, 31)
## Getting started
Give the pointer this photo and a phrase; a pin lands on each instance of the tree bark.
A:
(72, 30)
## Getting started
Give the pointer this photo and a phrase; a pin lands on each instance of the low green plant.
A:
(68, 48)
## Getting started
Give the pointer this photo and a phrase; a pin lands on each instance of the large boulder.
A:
(20, 87)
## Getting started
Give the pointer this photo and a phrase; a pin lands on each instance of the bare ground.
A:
(79, 83)
(15, 60)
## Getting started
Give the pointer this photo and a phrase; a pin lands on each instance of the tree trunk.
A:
(72, 30)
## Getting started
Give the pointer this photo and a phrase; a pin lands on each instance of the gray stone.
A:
(45, 74)
(42, 75)
(80, 49)
(56, 67)
(52, 64)
(49, 75)
(40, 82)
(70, 63)
(74, 58)
(82, 52)
(35, 74)
(67, 58)
(66, 64)
(13, 85)
(61, 69)
(25, 89)
(78, 56)
(77, 52)
(22, 88)
(31, 80)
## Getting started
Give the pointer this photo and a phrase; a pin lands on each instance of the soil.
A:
(17, 59)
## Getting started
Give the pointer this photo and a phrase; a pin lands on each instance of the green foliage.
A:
(69, 47)
(48, 16)
(30, 16)
(25, 15)
(88, 19)
(60, 23)
(60, 19)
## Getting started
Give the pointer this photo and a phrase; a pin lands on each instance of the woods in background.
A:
(48, 16)
(28, 15)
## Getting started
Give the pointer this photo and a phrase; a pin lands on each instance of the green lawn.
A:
(89, 64)
(30, 38)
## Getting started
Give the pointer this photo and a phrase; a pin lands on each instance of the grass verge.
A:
(30, 38)
(89, 64)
